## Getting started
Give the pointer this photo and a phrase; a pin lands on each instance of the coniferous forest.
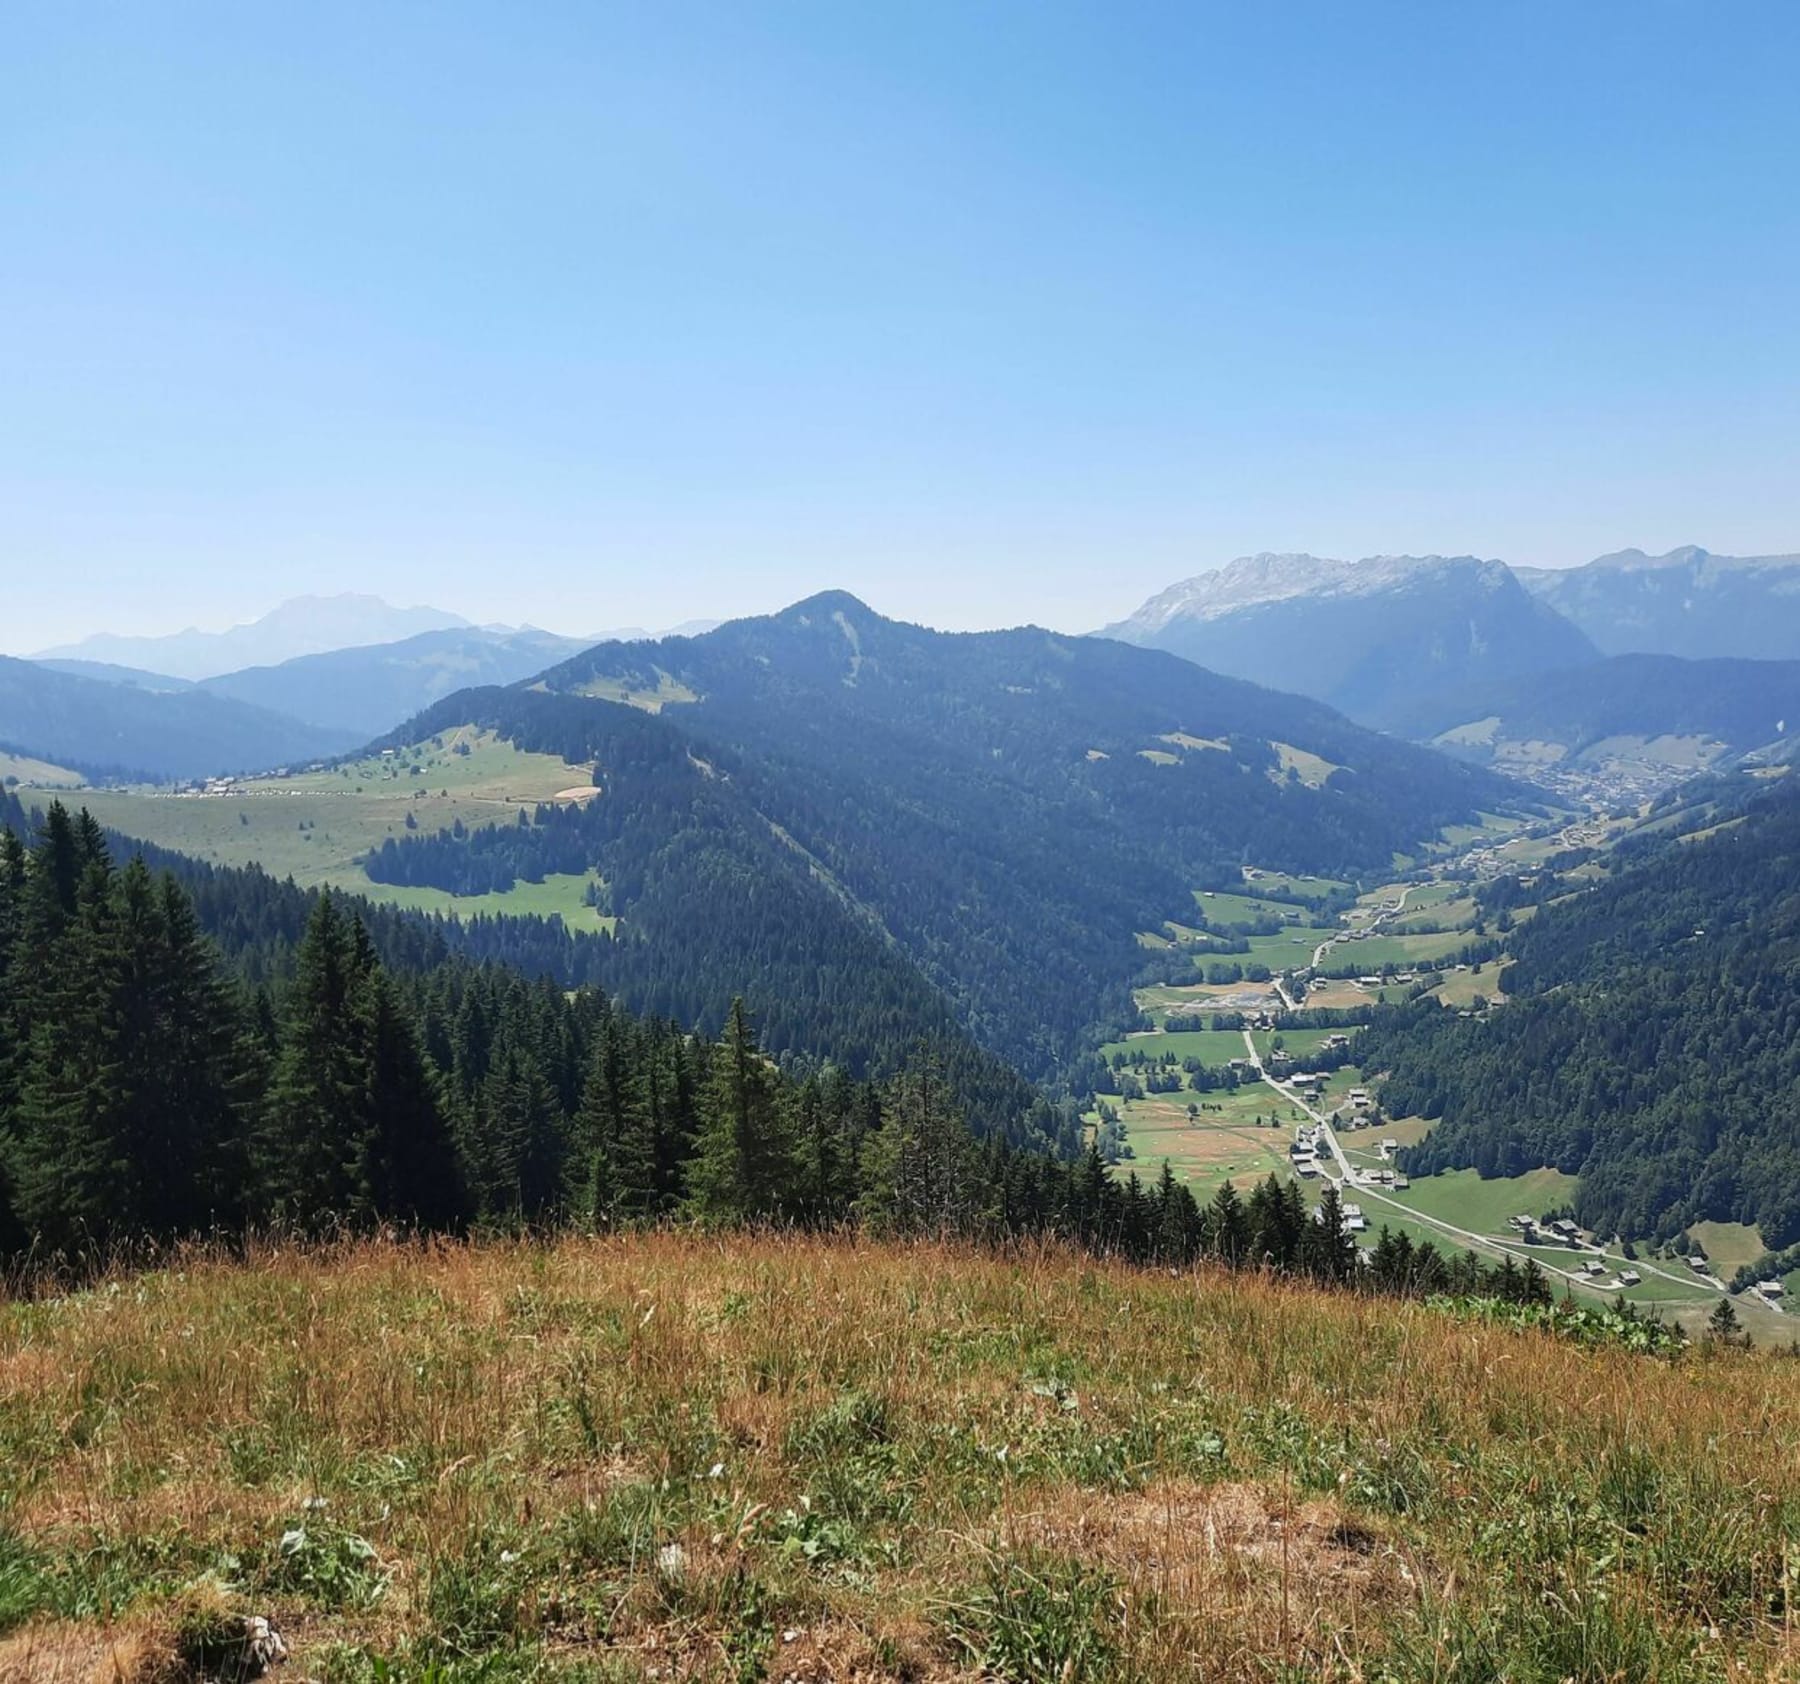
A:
(1651, 1044)
(151, 1090)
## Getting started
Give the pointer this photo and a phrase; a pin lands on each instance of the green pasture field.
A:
(1222, 1144)
(1302, 1043)
(1459, 988)
(1369, 956)
(316, 827)
(1462, 1197)
(1729, 1245)
(1224, 907)
(1291, 950)
(1306, 888)
(560, 896)
(1214, 1047)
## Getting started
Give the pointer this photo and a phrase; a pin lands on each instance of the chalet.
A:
(1769, 1289)
(1697, 1263)
(1401, 1184)
(1629, 1277)
(1593, 1266)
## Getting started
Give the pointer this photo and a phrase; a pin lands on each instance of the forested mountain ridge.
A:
(150, 1089)
(1737, 705)
(858, 1003)
(1651, 1045)
(368, 690)
(1688, 602)
(1002, 810)
(114, 729)
(1364, 636)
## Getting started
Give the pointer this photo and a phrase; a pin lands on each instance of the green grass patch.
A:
(558, 896)
(1462, 1197)
(316, 827)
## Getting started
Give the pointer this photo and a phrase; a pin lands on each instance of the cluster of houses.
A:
(1304, 1154)
(1533, 1232)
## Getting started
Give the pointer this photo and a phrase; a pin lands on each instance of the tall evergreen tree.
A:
(743, 1165)
(313, 1157)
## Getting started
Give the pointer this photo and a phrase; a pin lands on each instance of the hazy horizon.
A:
(986, 314)
(61, 646)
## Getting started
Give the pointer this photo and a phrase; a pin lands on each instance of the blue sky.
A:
(592, 314)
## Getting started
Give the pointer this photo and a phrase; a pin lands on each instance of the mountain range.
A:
(109, 730)
(1688, 602)
(1393, 640)
(369, 690)
(300, 708)
(304, 625)
(1364, 636)
(788, 794)
(1689, 713)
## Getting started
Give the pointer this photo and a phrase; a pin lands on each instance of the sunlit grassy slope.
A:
(672, 1457)
(317, 826)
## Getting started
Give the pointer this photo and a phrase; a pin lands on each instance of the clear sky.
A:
(597, 314)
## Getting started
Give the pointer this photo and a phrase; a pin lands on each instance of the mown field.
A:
(676, 1457)
(1229, 1138)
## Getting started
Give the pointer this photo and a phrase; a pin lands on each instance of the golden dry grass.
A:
(827, 1458)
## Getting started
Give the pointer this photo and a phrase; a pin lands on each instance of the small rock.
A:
(263, 1647)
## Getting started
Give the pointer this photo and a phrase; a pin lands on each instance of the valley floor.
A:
(673, 1456)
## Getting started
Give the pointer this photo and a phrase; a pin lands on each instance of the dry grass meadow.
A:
(673, 1457)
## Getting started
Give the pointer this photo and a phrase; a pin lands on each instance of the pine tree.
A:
(312, 1156)
(916, 1169)
(1227, 1226)
(527, 1154)
(73, 1186)
(1327, 1252)
(407, 1163)
(743, 1164)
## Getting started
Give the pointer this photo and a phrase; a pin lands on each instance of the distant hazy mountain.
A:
(1366, 636)
(1684, 713)
(1688, 602)
(107, 673)
(306, 625)
(370, 690)
(104, 729)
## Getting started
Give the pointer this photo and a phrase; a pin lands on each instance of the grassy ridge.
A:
(677, 1457)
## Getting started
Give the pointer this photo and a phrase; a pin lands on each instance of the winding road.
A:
(1346, 1182)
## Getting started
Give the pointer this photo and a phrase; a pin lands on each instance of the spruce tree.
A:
(743, 1165)
(74, 1187)
(1227, 1226)
(312, 1156)
(408, 1163)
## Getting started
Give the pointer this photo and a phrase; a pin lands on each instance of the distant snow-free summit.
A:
(304, 625)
